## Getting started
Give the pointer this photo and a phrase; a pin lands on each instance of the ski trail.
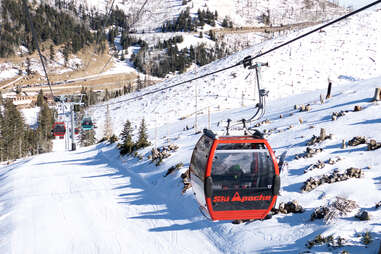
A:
(71, 202)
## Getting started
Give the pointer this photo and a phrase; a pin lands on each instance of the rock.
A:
(319, 213)
(378, 205)
(357, 141)
(290, 207)
(318, 165)
(364, 215)
(357, 108)
(312, 183)
(373, 145)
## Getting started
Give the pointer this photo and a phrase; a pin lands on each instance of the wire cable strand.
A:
(37, 45)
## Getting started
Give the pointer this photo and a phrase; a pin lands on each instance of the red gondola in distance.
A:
(59, 129)
(234, 177)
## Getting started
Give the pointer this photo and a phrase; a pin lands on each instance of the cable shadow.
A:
(374, 121)
(353, 150)
(342, 105)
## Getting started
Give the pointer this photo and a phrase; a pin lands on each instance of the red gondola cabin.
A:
(59, 129)
(234, 178)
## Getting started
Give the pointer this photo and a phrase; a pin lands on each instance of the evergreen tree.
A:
(85, 98)
(139, 83)
(43, 132)
(127, 146)
(51, 52)
(93, 98)
(225, 22)
(28, 71)
(107, 95)
(65, 53)
(87, 137)
(12, 132)
(40, 98)
(142, 136)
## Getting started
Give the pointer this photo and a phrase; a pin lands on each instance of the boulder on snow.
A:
(357, 141)
(363, 215)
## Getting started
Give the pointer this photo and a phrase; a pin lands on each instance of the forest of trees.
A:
(66, 24)
(127, 145)
(170, 59)
(62, 24)
(185, 23)
(19, 140)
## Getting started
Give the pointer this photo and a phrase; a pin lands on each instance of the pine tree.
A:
(139, 83)
(87, 137)
(65, 53)
(12, 132)
(43, 132)
(107, 95)
(93, 98)
(142, 136)
(28, 71)
(85, 98)
(127, 146)
(51, 52)
(40, 98)
(225, 22)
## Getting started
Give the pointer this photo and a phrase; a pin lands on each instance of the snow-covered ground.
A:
(94, 201)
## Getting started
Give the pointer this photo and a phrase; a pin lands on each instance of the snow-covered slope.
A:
(241, 12)
(348, 50)
(93, 201)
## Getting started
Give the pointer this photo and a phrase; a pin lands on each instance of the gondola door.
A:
(240, 179)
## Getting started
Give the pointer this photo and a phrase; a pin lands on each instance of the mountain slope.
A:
(347, 50)
(92, 200)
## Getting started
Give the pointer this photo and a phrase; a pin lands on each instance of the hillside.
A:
(92, 200)
(145, 19)
(338, 53)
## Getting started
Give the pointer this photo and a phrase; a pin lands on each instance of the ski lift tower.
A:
(74, 107)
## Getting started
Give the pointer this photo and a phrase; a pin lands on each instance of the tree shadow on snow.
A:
(163, 195)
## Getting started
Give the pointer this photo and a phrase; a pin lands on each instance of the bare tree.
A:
(108, 127)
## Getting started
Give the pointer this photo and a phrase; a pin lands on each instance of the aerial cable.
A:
(247, 60)
(37, 46)
(107, 14)
(105, 23)
(316, 29)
